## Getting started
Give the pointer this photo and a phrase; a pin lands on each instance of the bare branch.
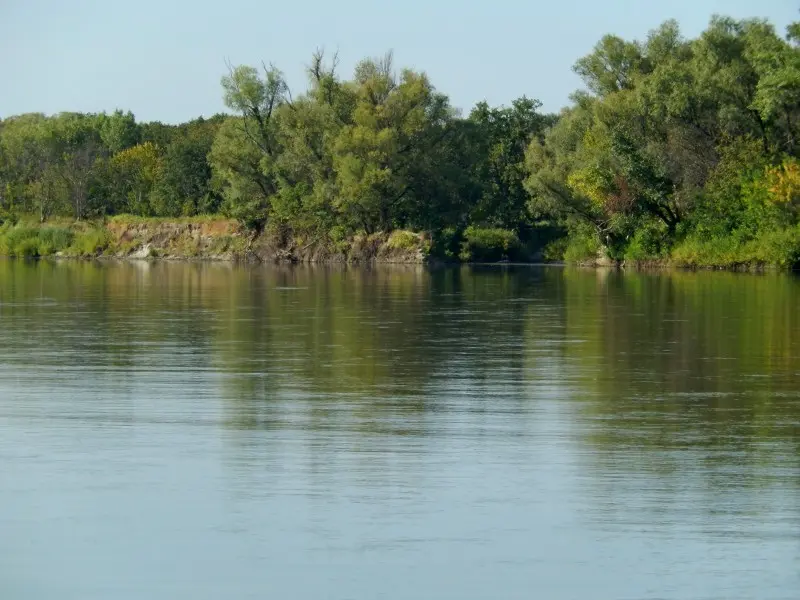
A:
(315, 68)
(334, 63)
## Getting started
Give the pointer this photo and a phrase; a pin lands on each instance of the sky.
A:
(163, 59)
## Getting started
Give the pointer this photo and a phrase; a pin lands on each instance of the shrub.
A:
(8, 217)
(27, 248)
(46, 249)
(5, 250)
(32, 241)
(403, 240)
(447, 243)
(488, 245)
(582, 246)
(647, 243)
(15, 235)
(780, 248)
(556, 249)
(695, 251)
(54, 239)
(13, 239)
(337, 235)
(90, 243)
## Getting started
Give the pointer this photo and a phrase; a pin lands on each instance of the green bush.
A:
(31, 241)
(780, 248)
(27, 248)
(14, 238)
(8, 217)
(447, 243)
(55, 239)
(90, 243)
(555, 250)
(46, 248)
(700, 252)
(649, 242)
(403, 240)
(581, 247)
(489, 245)
(5, 250)
(337, 239)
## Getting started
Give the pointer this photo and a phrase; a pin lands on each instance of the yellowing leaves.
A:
(134, 172)
(783, 182)
(140, 161)
(590, 182)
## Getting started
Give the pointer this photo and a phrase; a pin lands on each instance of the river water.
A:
(201, 431)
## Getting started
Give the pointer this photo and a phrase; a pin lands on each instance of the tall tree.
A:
(397, 123)
(119, 131)
(501, 136)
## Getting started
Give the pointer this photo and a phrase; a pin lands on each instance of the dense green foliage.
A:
(88, 165)
(681, 148)
(678, 149)
(28, 240)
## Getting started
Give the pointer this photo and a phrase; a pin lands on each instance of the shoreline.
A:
(215, 239)
(432, 263)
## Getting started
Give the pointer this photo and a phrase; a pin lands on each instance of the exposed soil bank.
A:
(219, 239)
(225, 240)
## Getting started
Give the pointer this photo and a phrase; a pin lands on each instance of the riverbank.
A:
(215, 238)
(199, 238)
(775, 250)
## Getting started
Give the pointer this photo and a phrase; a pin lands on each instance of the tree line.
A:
(675, 147)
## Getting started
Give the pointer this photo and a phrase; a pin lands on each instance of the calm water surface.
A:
(175, 431)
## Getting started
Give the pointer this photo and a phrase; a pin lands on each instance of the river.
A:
(205, 431)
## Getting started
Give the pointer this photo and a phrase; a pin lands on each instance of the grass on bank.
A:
(769, 249)
(24, 236)
(23, 240)
(779, 248)
(128, 220)
(482, 244)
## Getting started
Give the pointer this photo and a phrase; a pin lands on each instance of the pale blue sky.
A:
(163, 59)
